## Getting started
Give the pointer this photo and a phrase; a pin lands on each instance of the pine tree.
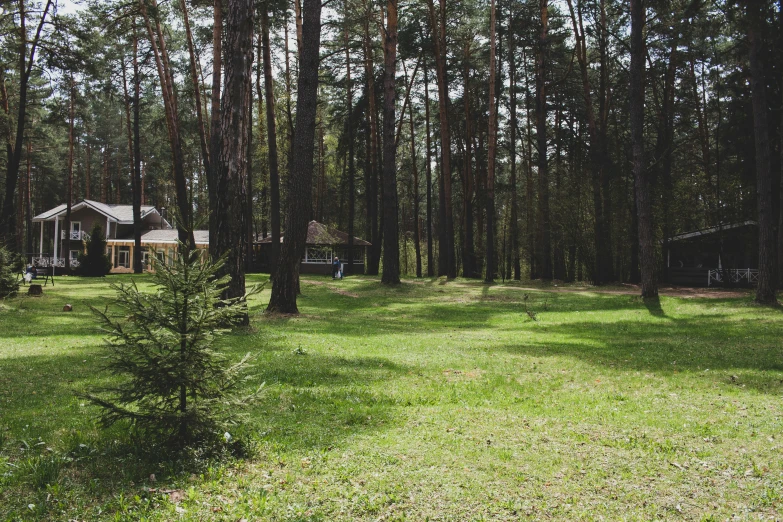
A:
(95, 263)
(174, 386)
(9, 283)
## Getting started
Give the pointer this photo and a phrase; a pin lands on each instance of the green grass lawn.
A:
(433, 400)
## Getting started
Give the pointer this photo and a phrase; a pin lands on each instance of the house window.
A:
(122, 259)
(76, 230)
(74, 254)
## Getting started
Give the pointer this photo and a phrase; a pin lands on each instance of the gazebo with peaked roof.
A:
(323, 244)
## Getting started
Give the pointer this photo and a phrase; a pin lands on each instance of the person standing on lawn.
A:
(335, 267)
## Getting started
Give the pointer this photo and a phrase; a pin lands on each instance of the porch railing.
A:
(748, 276)
(59, 262)
(76, 235)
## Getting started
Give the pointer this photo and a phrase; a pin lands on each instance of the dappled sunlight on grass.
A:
(434, 398)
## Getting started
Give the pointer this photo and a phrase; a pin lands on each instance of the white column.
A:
(56, 236)
(40, 246)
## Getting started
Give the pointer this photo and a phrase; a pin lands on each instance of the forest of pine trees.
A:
(556, 140)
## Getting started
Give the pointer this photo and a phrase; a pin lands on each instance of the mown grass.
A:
(434, 400)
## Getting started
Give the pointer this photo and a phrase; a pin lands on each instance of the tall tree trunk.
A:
(231, 218)
(374, 256)
(69, 184)
(202, 132)
(133, 155)
(29, 198)
(88, 172)
(602, 260)
(415, 195)
(105, 175)
(214, 123)
(430, 259)
(7, 214)
(447, 261)
(544, 246)
(530, 185)
(136, 180)
(468, 244)
(765, 289)
(351, 155)
(513, 249)
(491, 150)
(166, 77)
(249, 195)
(286, 281)
(643, 203)
(391, 245)
(780, 147)
(274, 172)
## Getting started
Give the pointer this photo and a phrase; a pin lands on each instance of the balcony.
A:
(76, 235)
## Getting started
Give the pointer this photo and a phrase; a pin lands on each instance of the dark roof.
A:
(320, 234)
(712, 230)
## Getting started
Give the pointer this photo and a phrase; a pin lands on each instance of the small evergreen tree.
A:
(95, 263)
(9, 280)
(173, 385)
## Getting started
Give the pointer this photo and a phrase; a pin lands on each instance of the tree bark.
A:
(447, 260)
(489, 276)
(166, 76)
(351, 155)
(415, 195)
(374, 252)
(391, 245)
(765, 289)
(544, 241)
(286, 281)
(512, 152)
(136, 179)
(649, 282)
(69, 184)
(468, 189)
(274, 173)
(7, 214)
(780, 149)
(530, 185)
(214, 124)
(231, 218)
(430, 259)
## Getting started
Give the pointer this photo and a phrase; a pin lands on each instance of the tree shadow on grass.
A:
(364, 317)
(310, 402)
(653, 305)
(715, 345)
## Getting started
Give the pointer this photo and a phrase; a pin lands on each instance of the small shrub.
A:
(174, 386)
(9, 280)
(95, 262)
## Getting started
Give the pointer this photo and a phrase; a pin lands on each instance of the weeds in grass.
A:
(439, 402)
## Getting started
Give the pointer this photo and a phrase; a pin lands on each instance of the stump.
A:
(67, 308)
(35, 290)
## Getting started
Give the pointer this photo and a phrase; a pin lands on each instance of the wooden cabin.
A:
(323, 244)
(724, 255)
(118, 226)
